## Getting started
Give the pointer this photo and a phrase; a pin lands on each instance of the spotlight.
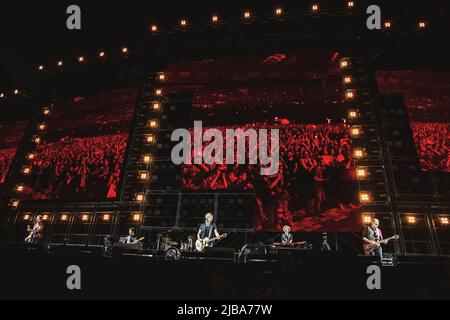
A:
(143, 176)
(41, 67)
(364, 196)
(42, 126)
(2, 95)
(156, 106)
(356, 131)
(352, 114)
(350, 94)
(444, 220)
(147, 158)
(367, 219)
(136, 217)
(154, 28)
(81, 59)
(64, 217)
(152, 124)
(247, 14)
(101, 54)
(358, 153)
(215, 18)
(350, 4)
(139, 197)
(85, 217)
(344, 64)
(161, 76)
(158, 92)
(315, 7)
(387, 25)
(20, 187)
(348, 79)
(106, 217)
(26, 170)
(361, 173)
(45, 217)
(278, 11)
(124, 50)
(60, 63)
(16, 91)
(183, 22)
(422, 25)
(37, 140)
(150, 138)
(14, 203)
(46, 111)
(31, 156)
(411, 219)
(26, 217)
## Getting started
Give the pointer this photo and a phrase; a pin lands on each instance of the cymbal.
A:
(172, 243)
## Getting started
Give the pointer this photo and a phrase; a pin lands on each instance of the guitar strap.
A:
(210, 231)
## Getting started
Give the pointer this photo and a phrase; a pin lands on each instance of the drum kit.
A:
(172, 249)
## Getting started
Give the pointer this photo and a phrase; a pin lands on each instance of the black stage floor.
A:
(37, 274)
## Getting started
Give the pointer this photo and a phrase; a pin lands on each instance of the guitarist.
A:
(373, 239)
(208, 229)
(36, 234)
(131, 238)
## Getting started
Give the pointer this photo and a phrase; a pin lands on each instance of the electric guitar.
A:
(28, 238)
(138, 240)
(369, 248)
(200, 245)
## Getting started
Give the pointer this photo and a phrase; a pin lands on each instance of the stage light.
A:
(344, 64)
(143, 176)
(42, 126)
(152, 124)
(64, 217)
(81, 59)
(14, 203)
(358, 153)
(215, 18)
(364, 196)
(352, 114)
(161, 76)
(2, 95)
(356, 132)
(154, 28)
(422, 24)
(46, 111)
(137, 217)
(124, 50)
(361, 173)
(147, 158)
(85, 217)
(150, 138)
(183, 22)
(367, 219)
(387, 25)
(411, 219)
(444, 220)
(247, 15)
(350, 94)
(139, 197)
(31, 156)
(26, 170)
(156, 106)
(158, 92)
(350, 4)
(101, 54)
(16, 91)
(315, 7)
(26, 217)
(106, 217)
(45, 217)
(37, 140)
(41, 67)
(278, 11)
(60, 63)
(20, 187)
(348, 79)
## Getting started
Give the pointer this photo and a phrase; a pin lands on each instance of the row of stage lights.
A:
(106, 217)
(408, 218)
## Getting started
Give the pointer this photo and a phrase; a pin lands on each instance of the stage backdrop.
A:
(84, 148)
(299, 93)
(427, 98)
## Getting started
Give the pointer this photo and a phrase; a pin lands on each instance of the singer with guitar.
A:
(36, 234)
(207, 233)
(373, 239)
